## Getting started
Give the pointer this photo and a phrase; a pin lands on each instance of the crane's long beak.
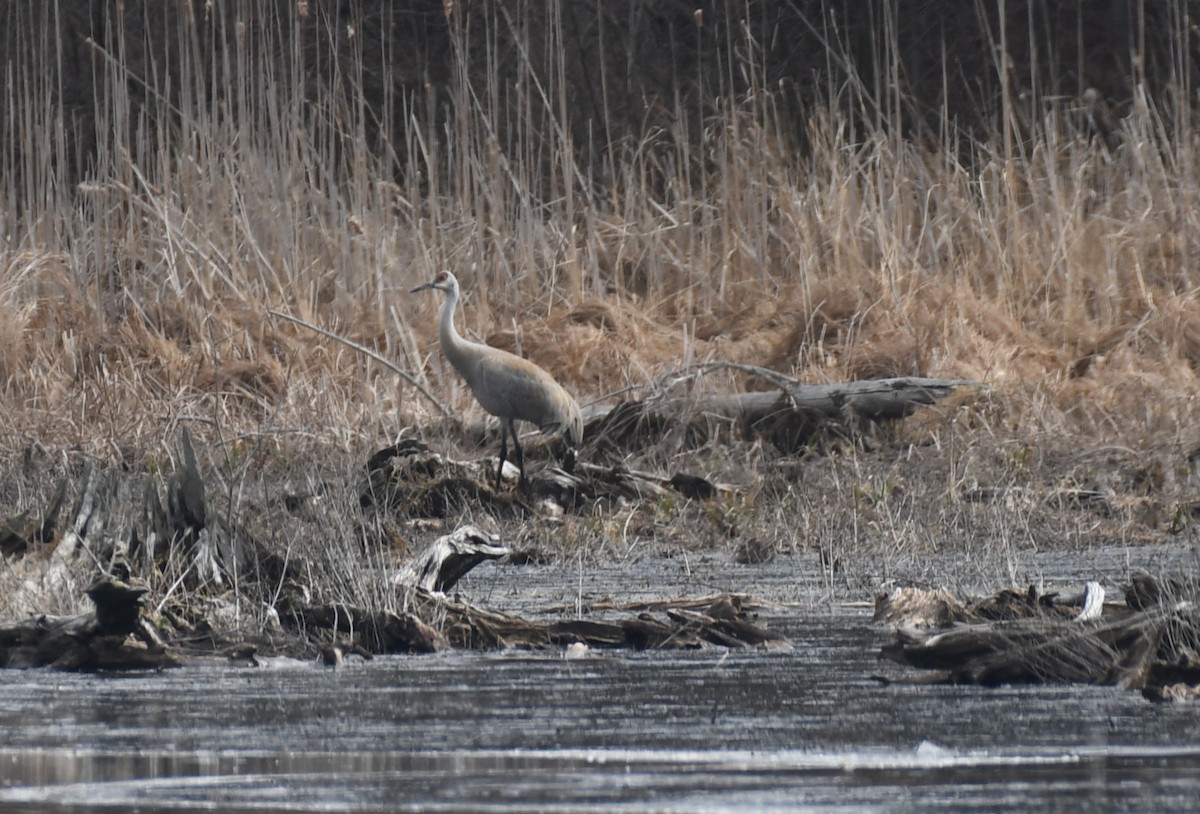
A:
(421, 287)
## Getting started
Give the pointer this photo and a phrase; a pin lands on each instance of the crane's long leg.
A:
(503, 452)
(519, 455)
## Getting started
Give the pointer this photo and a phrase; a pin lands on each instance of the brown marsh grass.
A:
(235, 171)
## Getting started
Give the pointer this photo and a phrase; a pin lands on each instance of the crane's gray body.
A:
(508, 386)
(504, 384)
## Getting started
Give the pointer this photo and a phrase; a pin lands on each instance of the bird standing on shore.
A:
(507, 386)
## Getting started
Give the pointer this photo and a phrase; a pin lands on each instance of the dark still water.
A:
(711, 730)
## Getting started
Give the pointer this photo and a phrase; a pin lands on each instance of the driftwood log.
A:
(440, 566)
(789, 416)
(726, 621)
(1149, 643)
(873, 399)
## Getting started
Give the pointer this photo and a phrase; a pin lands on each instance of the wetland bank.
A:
(658, 205)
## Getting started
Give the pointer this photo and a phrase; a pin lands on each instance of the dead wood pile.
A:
(430, 621)
(1149, 642)
(726, 620)
(114, 635)
(410, 480)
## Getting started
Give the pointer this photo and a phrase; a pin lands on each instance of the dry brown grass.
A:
(1061, 272)
(1065, 268)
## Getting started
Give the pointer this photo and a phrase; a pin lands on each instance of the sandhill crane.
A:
(507, 386)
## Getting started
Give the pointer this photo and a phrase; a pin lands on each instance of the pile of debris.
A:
(1148, 642)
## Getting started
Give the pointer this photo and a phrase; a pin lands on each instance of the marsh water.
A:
(806, 728)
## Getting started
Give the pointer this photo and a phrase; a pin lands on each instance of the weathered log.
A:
(789, 416)
(874, 399)
(1033, 651)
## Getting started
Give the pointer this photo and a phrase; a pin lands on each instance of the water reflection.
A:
(603, 780)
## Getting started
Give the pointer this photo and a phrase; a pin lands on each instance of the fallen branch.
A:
(789, 417)
(363, 349)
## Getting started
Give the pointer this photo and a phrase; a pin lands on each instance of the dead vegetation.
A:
(216, 570)
(1149, 642)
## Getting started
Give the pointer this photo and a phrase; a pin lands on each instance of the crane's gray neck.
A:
(453, 345)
